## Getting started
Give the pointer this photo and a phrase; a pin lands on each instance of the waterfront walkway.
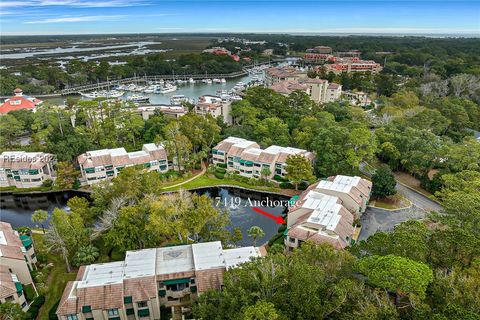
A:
(204, 169)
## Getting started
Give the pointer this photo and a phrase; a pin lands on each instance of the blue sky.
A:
(159, 16)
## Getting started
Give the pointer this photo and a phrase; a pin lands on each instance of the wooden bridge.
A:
(154, 78)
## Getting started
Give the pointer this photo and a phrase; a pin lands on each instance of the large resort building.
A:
(320, 91)
(22, 169)
(246, 157)
(339, 62)
(148, 279)
(105, 164)
(285, 80)
(326, 211)
(17, 259)
(214, 106)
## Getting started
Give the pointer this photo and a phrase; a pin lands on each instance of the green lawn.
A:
(206, 181)
(57, 279)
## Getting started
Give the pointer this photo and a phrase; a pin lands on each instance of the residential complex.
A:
(105, 164)
(342, 61)
(214, 106)
(246, 157)
(276, 74)
(320, 91)
(353, 65)
(22, 169)
(357, 98)
(170, 111)
(147, 279)
(17, 259)
(18, 101)
(326, 211)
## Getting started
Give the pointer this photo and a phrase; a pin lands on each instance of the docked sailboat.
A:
(191, 81)
(168, 88)
(102, 94)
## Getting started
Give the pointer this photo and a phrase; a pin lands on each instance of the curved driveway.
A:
(377, 219)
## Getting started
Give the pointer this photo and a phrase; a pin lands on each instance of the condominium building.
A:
(11, 289)
(320, 49)
(170, 111)
(105, 164)
(326, 211)
(214, 106)
(353, 65)
(357, 98)
(319, 90)
(147, 279)
(276, 74)
(246, 157)
(17, 259)
(26, 169)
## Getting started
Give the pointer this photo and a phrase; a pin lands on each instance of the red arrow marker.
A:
(278, 220)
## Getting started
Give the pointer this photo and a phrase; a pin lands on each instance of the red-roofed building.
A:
(19, 101)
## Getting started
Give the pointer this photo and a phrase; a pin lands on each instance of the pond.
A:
(239, 203)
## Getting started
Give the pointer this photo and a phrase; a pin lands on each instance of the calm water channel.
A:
(17, 209)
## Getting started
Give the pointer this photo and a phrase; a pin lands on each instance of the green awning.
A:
(86, 309)
(26, 241)
(176, 281)
(143, 313)
(292, 200)
(19, 286)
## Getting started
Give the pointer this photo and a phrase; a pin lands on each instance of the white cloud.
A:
(73, 3)
(68, 19)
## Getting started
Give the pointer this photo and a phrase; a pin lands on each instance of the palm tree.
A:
(265, 173)
(255, 232)
(40, 216)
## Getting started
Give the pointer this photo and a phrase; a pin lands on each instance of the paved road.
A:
(376, 219)
(418, 199)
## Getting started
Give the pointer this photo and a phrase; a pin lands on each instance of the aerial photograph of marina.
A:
(239, 160)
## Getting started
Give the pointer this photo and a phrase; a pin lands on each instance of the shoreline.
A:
(89, 192)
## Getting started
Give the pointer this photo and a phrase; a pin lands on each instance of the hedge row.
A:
(52, 312)
(219, 175)
(279, 178)
(286, 185)
(222, 165)
(221, 170)
(32, 312)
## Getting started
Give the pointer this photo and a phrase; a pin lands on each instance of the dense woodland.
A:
(422, 124)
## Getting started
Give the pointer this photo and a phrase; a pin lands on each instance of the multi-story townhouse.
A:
(319, 90)
(105, 164)
(171, 111)
(321, 49)
(353, 191)
(357, 98)
(214, 106)
(17, 253)
(246, 157)
(348, 65)
(26, 169)
(11, 289)
(326, 211)
(147, 279)
(276, 74)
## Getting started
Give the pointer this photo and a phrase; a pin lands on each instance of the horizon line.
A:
(295, 33)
